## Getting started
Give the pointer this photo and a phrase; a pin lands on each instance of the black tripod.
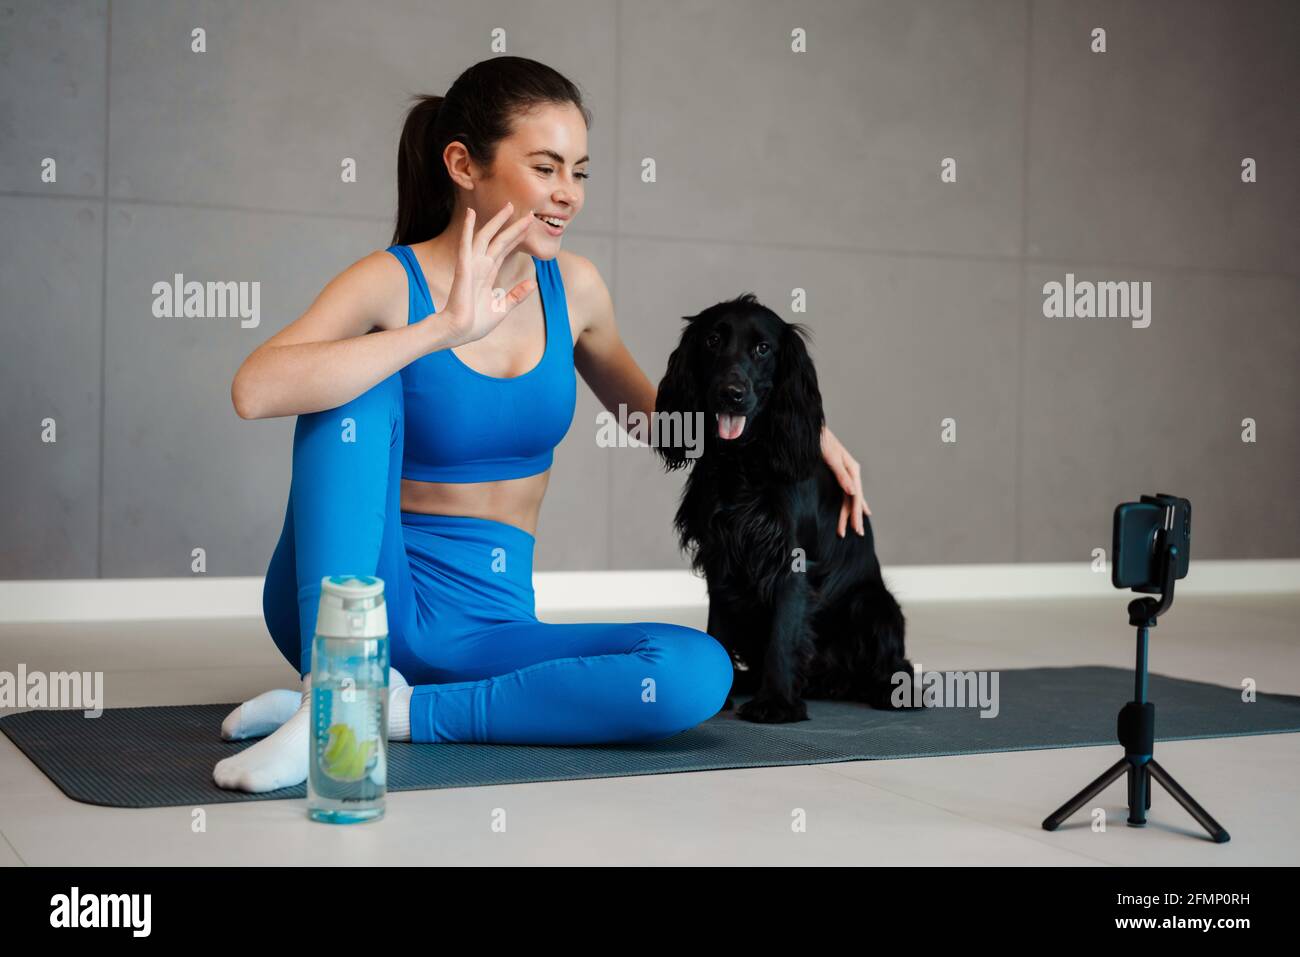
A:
(1136, 728)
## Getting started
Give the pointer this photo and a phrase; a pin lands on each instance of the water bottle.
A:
(347, 774)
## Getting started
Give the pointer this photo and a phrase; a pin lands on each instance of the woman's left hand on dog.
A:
(849, 474)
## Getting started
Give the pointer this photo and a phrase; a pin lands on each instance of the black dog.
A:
(801, 611)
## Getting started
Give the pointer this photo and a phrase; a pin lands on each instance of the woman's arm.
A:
(325, 357)
(600, 355)
(332, 353)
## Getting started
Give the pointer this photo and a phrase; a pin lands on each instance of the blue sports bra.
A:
(465, 426)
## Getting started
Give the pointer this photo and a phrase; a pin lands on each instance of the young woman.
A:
(428, 408)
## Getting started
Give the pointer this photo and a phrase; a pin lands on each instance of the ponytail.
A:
(424, 190)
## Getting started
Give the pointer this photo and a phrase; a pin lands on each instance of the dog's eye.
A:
(712, 339)
(762, 348)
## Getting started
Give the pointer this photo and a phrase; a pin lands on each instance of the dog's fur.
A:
(830, 629)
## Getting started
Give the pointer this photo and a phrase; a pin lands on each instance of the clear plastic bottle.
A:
(347, 775)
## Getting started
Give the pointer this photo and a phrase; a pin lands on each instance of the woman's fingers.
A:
(848, 473)
(511, 237)
(859, 500)
(490, 228)
(466, 240)
(502, 244)
(520, 293)
(855, 490)
(505, 302)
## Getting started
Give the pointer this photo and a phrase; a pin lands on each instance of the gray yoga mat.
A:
(163, 756)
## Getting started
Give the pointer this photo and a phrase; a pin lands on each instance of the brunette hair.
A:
(479, 111)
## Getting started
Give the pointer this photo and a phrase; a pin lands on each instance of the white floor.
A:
(976, 809)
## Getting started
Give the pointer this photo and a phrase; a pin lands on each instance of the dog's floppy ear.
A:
(794, 409)
(679, 391)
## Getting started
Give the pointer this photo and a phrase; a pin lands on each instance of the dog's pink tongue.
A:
(730, 426)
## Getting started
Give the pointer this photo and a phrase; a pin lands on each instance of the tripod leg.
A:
(1147, 771)
(1138, 795)
(1189, 803)
(1052, 822)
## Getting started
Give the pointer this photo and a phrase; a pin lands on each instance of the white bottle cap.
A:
(352, 606)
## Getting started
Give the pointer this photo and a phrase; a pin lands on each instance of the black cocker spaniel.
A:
(802, 612)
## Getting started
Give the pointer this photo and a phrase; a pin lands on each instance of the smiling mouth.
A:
(552, 229)
(729, 426)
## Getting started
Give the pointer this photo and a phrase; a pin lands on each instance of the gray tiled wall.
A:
(776, 171)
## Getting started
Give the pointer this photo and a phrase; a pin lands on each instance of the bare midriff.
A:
(512, 501)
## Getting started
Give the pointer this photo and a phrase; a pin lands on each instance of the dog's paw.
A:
(773, 710)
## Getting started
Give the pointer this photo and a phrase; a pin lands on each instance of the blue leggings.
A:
(461, 613)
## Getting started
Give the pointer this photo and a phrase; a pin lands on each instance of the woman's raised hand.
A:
(473, 307)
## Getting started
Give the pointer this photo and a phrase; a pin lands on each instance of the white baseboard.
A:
(128, 599)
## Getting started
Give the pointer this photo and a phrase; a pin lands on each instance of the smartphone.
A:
(1141, 530)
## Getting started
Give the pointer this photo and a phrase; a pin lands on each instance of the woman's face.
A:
(542, 166)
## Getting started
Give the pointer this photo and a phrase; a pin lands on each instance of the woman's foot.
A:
(399, 707)
(260, 716)
(277, 761)
(280, 760)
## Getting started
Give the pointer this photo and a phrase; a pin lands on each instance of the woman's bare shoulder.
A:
(388, 275)
(584, 289)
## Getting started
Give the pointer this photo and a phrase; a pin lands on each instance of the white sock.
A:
(277, 761)
(261, 715)
(280, 760)
(399, 707)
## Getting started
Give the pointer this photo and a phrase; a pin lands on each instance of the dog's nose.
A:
(733, 393)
